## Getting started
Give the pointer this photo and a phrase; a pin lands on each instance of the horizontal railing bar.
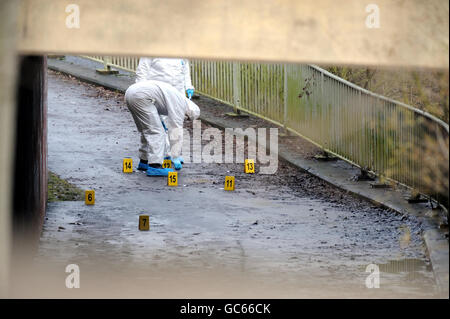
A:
(356, 87)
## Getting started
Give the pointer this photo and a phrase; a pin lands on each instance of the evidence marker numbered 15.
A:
(172, 179)
(89, 197)
(127, 165)
(229, 183)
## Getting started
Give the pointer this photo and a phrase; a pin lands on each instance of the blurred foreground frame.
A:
(411, 33)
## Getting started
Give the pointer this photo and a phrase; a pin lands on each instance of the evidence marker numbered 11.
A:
(229, 183)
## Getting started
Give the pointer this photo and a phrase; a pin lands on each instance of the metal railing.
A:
(390, 138)
(119, 62)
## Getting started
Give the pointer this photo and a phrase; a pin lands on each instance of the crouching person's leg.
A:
(153, 144)
(166, 137)
(176, 142)
(149, 125)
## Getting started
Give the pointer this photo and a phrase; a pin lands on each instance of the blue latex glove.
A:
(177, 163)
(164, 125)
(190, 93)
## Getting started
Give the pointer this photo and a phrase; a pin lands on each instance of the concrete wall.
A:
(410, 33)
(8, 35)
(30, 155)
(23, 145)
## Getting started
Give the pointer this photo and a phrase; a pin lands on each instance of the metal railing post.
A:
(285, 99)
(236, 87)
(106, 67)
(236, 91)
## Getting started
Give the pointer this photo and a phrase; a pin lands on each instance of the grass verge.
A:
(61, 190)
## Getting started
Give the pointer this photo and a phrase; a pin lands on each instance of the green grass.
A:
(61, 190)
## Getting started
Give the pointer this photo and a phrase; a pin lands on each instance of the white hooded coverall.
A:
(175, 72)
(172, 71)
(147, 100)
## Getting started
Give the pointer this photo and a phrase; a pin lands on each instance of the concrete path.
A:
(288, 235)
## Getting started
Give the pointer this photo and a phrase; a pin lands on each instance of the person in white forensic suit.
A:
(175, 72)
(147, 101)
(172, 71)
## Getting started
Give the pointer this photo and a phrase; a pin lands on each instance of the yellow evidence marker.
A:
(167, 164)
(144, 222)
(89, 198)
(172, 179)
(229, 183)
(128, 165)
(249, 166)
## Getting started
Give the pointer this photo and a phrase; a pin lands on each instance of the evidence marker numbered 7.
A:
(89, 197)
(127, 165)
(144, 222)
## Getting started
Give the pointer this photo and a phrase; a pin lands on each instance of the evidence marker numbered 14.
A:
(172, 179)
(127, 165)
(89, 197)
(144, 222)
(229, 183)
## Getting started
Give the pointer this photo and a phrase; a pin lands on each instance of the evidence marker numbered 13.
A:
(89, 197)
(127, 165)
(229, 183)
(249, 166)
(172, 179)
(144, 222)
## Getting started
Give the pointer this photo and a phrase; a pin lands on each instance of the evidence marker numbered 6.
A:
(229, 183)
(89, 197)
(127, 165)
(249, 166)
(172, 179)
(144, 222)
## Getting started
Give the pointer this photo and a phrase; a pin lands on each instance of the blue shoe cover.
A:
(177, 163)
(142, 166)
(181, 159)
(151, 171)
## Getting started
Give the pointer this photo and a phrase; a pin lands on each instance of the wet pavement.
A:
(287, 235)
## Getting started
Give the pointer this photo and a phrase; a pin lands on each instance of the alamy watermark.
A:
(228, 146)
(73, 279)
(373, 17)
(373, 280)
(73, 17)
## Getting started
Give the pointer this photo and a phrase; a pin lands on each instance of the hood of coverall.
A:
(193, 111)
